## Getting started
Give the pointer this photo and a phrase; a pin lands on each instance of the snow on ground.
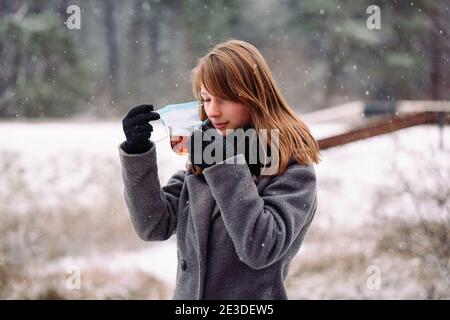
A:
(159, 260)
(47, 151)
(348, 175)
(36, 139)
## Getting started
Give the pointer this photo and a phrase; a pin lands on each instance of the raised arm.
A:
(153, 210)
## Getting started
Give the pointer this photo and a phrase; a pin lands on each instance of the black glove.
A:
(228, 148)
(137, 129)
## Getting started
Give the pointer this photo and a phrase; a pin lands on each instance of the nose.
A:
(213, 110)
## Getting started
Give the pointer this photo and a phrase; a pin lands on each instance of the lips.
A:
(220, 125)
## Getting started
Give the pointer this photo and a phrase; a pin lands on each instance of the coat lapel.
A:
(201, 206)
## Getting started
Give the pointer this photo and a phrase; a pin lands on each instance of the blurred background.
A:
(375, 98)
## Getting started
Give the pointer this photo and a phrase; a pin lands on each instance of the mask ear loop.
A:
(166, 131)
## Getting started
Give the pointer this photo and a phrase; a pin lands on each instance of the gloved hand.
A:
(248, 147)
(137, 129)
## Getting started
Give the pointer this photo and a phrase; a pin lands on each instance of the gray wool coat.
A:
(236, 235)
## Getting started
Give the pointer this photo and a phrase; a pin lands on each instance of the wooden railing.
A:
(409, 113)
(385, 126)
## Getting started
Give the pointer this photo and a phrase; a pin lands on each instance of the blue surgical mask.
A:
(180, 117)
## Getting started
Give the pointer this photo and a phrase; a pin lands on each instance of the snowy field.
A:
(62, 209)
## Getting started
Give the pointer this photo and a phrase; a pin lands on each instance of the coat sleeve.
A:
(263, 226)
(153, 210)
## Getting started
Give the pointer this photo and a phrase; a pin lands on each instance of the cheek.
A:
(243, 114)
(237, 113)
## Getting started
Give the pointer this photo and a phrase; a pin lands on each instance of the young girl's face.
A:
(224, 114)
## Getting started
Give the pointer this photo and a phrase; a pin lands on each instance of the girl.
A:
(237, 228)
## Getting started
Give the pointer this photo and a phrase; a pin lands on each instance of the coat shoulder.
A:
(294, 171)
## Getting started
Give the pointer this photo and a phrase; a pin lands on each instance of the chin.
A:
(225, 131)
(222, 131)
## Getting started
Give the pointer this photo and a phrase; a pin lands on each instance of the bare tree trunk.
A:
(10, 7)
(435, 72)
(61, 9)
(36, 7)
(153, 38)
(438, 45)
(334, 68)
(113, 53)
(135, 45)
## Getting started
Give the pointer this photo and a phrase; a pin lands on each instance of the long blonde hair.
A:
(235, 70)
